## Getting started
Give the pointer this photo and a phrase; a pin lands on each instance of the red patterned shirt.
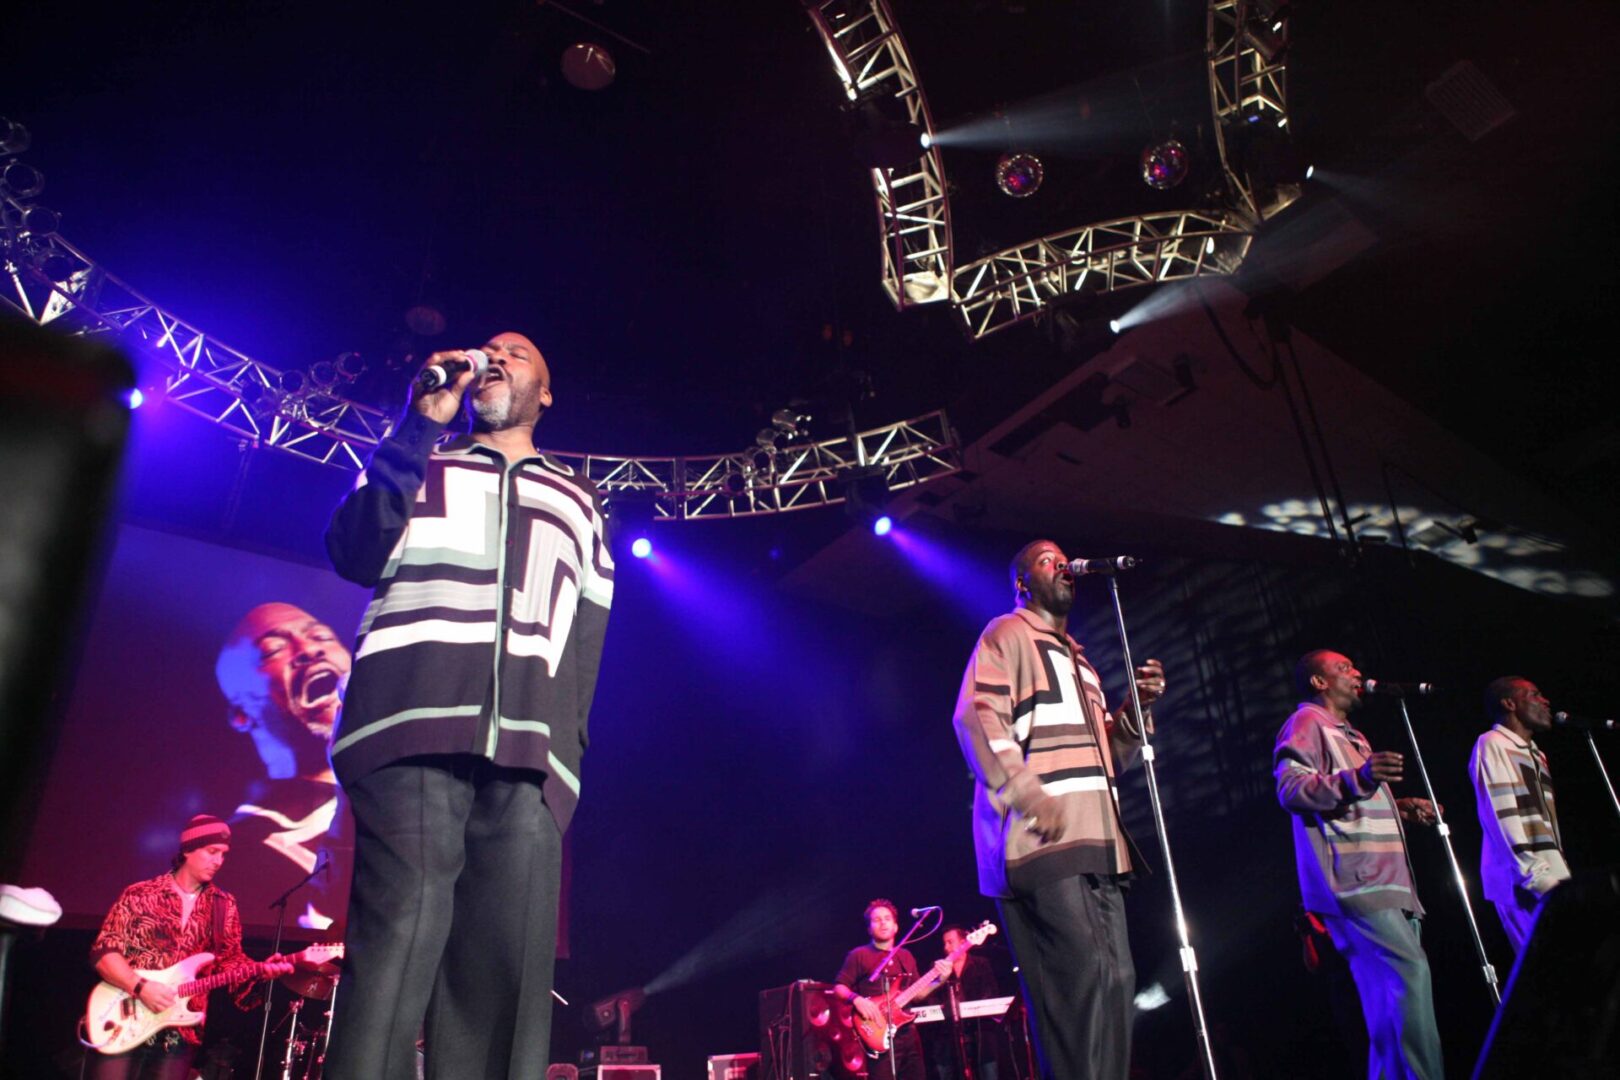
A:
(145, 928)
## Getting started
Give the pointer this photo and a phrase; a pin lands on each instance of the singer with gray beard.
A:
(461, 734)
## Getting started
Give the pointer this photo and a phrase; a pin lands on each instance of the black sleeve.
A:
(369, 522)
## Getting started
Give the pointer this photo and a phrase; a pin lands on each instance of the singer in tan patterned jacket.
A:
(1044, 751)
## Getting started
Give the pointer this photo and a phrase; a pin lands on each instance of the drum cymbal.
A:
(311, 984)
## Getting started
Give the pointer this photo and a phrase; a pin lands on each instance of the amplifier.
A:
(621, 1072)
(734, 1067)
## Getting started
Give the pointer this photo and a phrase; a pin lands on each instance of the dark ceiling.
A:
(695, 245)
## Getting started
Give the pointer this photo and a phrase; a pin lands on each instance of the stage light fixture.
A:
(38, 221)
(292, 381)
(1115, 325)
(135, 398)
(324, 374)
(880, 141)
(1310, 171)
(882, 525)
(614, 1013)
(641, 548)
(20, 180)
(1164, 164)
(588, 66)
(13, 137)
(253, 393)
(350, 365)
(1019, 175)
(734, 483)
(927, 140)
(425, 320)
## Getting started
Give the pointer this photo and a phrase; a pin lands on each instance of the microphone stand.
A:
(1189, 957)
(1440, 826)
(1602, 771)
(280, 904)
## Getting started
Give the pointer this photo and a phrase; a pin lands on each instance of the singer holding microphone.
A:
(1043, 748)
(464, 723)
(1354, 871)
(1522, 856)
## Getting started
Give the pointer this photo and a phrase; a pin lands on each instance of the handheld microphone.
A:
(916, 911)
(1584, 723)
(1398, 689)
(1081, 567)
(438, 376)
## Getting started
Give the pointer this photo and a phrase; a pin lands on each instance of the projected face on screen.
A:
(283, 672)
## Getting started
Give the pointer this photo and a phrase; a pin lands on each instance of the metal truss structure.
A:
(51, 282)
(1015, 284)
(1001, 289)
(1244, 87)
(913, 212)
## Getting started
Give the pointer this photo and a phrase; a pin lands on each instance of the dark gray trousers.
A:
(1075, 962)
(452, 924)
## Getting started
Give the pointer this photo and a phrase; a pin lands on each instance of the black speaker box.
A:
(806, 1033)
(1560, 1015)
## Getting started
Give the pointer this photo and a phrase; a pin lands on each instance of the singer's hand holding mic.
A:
(444, 380)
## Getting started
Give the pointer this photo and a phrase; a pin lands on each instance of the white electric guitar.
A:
(115, 1021)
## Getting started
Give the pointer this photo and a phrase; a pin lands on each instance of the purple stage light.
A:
(1019, 175)
(1164, 165)
(882, 525)
(641, 548)
(134, 398)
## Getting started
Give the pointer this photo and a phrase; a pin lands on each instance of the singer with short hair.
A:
(1522, 857)
(1354, 871)
(1044, 750)
(461, 734)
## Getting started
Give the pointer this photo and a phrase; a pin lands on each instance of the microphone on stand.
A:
(1398, 689)
(1584, 723)
(438, 376)
(1081, 567)
(916, 911)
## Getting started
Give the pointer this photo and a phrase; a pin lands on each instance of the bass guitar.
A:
(878, 1032)
(115, 1021)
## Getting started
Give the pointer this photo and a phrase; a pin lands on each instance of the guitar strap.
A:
(219, 920)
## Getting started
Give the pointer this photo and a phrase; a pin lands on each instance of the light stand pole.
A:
(1189, 958)
(1440, 826)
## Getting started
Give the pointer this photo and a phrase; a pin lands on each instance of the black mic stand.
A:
(280, 904)
(1189, 958)
(1440, 826)
(1602, 771)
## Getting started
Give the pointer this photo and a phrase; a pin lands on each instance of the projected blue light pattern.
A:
(1506, 554)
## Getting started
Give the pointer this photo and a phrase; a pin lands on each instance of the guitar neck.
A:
(930, 977)
(211, 983)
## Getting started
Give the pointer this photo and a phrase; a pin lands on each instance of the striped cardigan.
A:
(493, 582)
(1514, 794)
(1349, 847)
(1031, 721)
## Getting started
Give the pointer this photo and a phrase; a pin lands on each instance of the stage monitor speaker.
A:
(63, 421)
(1560, 1015)
(734, 1067)
(806, 1033)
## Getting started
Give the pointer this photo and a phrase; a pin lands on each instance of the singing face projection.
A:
(283, 672)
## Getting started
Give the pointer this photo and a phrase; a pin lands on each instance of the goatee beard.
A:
(493, 414)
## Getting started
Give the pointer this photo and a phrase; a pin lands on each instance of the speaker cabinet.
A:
(806, 1033)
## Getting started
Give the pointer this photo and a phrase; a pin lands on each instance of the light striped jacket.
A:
(1514, 794)
(1349, 847)
(1031, 721)
(493, 582)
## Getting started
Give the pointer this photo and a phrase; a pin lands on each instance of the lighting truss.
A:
(1243, 84)
(914, 214)
(210, 379)
(1002, 289)
(808, 475)
(1014, 284)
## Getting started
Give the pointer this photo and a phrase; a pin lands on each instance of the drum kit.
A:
(314, 985)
